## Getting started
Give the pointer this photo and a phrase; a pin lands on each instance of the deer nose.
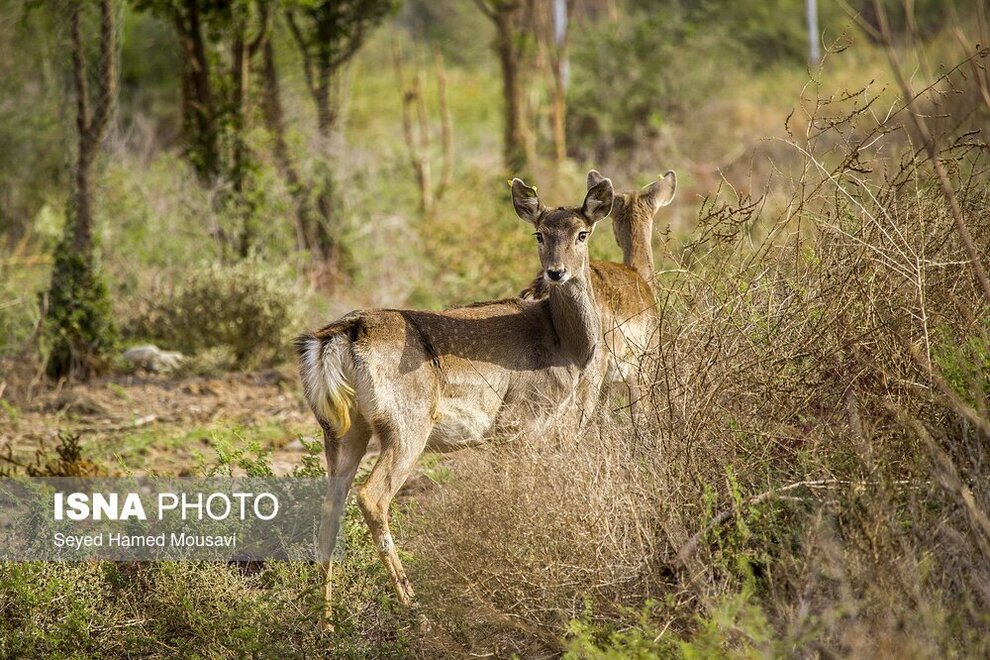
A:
(556, 274)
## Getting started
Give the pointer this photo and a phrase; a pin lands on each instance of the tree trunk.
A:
(321, 96)
(560, 119)
(82, 231)
(198, 111)
(239, 76)
(560, 64)
(79, 322)
(326, 243)
(91, 118)
(513, 142)
(306, 224)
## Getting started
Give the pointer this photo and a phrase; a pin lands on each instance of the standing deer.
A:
(625, 295)
(456, 378)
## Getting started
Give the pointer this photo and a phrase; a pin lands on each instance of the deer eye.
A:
(582, 236)
(539, 238)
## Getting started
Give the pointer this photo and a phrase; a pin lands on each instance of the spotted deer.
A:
(455, 378)
(625, 294)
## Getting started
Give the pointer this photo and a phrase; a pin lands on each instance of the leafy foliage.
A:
(80, 329)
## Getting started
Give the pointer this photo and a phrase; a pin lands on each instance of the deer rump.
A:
(464, 374)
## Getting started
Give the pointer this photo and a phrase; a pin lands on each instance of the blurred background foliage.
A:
(650, 85)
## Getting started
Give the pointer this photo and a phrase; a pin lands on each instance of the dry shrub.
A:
(526, 528)
(809, 476)
(247, 308)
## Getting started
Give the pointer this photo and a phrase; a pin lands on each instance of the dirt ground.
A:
(149, 423)
(145, 424)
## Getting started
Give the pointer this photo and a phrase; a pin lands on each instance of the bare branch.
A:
(107, 92)
(485, 9)
(264, 26)
(353, 44)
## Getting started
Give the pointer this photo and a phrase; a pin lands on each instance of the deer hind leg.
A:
(343, 459)
(402, 444)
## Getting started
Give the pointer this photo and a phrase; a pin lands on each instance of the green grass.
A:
(172, 449)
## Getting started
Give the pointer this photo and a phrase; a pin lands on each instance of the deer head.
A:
(643, 203)
(632, 219)
(563, 232)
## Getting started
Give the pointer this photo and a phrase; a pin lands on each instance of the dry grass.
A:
(808, 476)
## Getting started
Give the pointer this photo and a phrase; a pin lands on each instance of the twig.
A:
(948, 477)
(28, 260)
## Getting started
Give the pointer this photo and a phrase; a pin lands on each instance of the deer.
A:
(455, 378)
(625, 293)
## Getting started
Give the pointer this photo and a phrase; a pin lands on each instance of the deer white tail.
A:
(324, 365)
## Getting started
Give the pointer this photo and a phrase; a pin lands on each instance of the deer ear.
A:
(598, 203)
(661, 192)
(525, 201)
(594, 178)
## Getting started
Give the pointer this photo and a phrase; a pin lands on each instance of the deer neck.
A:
(635, 237)
(576, 319)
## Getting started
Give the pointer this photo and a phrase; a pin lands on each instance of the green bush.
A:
(246, 307)
(80, 330)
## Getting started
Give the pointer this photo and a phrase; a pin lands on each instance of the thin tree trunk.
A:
(198, 103)
(560, 120)
(91, 118)
(239, 76)
(244, 51)
(79, 324)
(561, 31)
(83, 228)
(514, 148)
(327, 244)
(446, 129)
(321, 97)
(326, 240)
(275, 119)
(325, 46)
(417, 143)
